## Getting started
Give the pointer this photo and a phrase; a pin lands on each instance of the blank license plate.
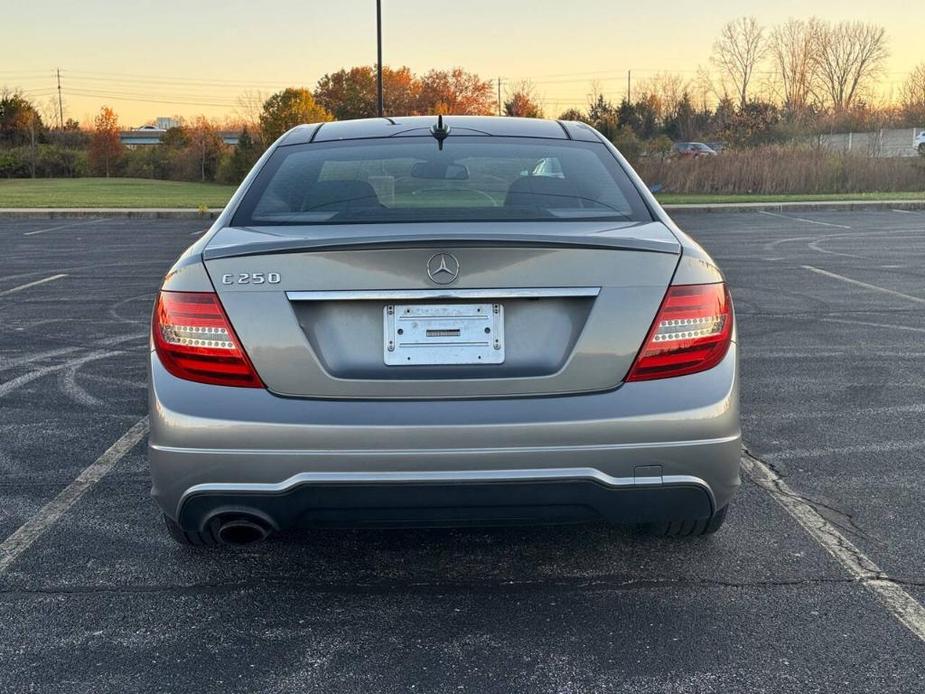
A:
(419, 334)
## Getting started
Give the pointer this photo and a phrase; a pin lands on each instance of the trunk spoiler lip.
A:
(275, 244)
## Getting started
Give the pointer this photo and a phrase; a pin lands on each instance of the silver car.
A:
(467, 320)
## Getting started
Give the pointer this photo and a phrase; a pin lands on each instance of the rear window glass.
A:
(410, 179)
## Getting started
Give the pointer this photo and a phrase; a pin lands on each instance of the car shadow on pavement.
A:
(425, 558)
(339, 559)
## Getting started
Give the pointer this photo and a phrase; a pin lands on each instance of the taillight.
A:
(691, 333)
(195, 341)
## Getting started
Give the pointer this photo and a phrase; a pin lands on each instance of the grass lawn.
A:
(141, 192)
(697, 199)
(110, 192)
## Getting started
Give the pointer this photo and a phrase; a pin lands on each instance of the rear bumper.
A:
(647, 451)
(456, 498)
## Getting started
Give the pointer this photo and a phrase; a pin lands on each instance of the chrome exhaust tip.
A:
(242, 531)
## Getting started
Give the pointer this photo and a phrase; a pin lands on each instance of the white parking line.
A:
(814, 245)
(874, 287)
(32, 284)
(861, 567)
(32, 358)
(67, 381)
(59, 228)
(803, 219)
(51, 513)
(18, 382)
(42, 356)
(774, 244)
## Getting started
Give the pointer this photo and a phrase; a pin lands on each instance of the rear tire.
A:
(686, 528)
(192, 538)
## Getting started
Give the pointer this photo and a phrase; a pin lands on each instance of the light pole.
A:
(379, 103)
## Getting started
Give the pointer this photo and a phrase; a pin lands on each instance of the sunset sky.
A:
(148, 59)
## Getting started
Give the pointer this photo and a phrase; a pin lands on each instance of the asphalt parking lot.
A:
(95, 597)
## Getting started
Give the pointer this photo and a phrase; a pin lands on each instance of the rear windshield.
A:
(410, 179)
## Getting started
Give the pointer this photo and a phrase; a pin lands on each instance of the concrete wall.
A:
(883, 143)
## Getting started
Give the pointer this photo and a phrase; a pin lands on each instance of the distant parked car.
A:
(920, 143)
(692, 150)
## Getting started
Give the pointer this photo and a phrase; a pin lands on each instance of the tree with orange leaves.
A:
(456, 92)
(522, 102)
(352, 93)
(106, 149)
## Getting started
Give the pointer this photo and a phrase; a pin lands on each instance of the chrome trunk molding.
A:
(422, 294)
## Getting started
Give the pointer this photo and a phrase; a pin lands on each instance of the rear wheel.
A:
(686, 528)
(192, 538)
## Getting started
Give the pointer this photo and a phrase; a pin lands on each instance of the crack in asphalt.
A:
(902, 605)
(850, 525)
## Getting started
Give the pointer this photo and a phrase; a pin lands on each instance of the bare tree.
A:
(848, 57)
(738, 52)
(664, 91)
(912, 95)
(596, 93)
(205, 141)
(707, 88)
(48, 110)
(249, 108)
(792, 48)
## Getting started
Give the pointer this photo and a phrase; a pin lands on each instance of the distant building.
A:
(149, 135)
(144, 136)
(165, 123)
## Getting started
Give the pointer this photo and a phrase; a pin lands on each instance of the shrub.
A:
(625, 140)
(148, 162)
(12, 165)
(51, 161)
(783, 170)
(234, 165)
(659, 146)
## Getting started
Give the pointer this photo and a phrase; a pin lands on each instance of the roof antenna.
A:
(440, 131)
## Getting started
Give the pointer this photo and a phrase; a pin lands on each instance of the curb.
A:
(107, 212)
(212, 213)
(807, 206)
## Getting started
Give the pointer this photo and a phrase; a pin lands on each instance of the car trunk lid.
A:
(517, 309)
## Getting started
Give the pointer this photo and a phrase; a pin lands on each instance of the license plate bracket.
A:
(443, 334)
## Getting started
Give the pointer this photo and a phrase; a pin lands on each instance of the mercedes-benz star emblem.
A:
(443, 268)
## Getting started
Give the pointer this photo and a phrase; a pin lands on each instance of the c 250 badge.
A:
(251, 278)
